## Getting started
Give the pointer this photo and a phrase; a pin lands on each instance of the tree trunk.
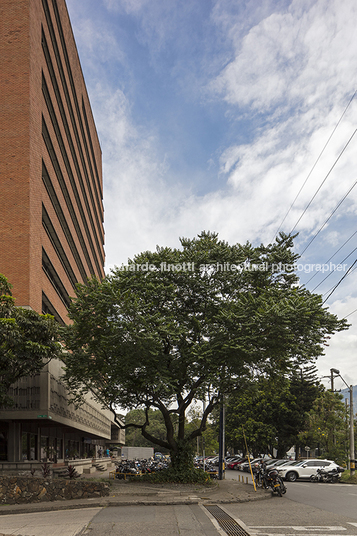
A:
(182, 457)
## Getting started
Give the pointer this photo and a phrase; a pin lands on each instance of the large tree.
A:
(28, 340)
(272, 411)
(179, 325)
(327, 427)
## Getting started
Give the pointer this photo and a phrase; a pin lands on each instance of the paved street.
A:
(307, 509)
(285, 517)
(335, 498)
(186, 520)
(62, 523)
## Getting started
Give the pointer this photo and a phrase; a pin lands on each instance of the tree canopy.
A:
(193, 323)
(272, 410)
(27, 341)
(327, 427)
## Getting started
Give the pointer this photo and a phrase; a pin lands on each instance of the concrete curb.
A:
(126, 494)
(115, 502)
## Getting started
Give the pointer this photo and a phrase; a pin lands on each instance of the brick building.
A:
(51, 213)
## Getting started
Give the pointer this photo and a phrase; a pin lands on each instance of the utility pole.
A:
(352, 438)
(221, 457)
(352, 432)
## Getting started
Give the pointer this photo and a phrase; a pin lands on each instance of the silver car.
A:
(305, 469)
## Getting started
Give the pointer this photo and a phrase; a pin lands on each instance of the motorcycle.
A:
(327, 476)
(266, 479)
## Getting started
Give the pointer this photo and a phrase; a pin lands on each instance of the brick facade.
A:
(51, 214)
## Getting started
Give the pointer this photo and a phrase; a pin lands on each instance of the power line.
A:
(343, 260)
(323, 182)
(349, 314)
(340, 281)
(332, 213)
(332, 256)
(316, 161)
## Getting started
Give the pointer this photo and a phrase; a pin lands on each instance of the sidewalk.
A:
(125, 493)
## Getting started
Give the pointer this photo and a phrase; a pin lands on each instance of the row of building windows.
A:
(96, 185)
(70, 173)
(61, 181)
(57, 246)
(24, 391)
(62, 219)
(73, 182)
(52, 275)
(73, 88)
(49, 309)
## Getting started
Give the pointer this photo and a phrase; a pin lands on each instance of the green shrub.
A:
(190, 476)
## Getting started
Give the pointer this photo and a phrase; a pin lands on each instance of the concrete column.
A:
(14, 453)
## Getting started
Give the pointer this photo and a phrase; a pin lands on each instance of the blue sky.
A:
(211, 116)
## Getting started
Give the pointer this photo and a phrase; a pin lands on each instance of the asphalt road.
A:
(61, 523)
(333, 498)
(307, 509)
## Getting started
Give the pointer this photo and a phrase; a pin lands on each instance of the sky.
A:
(237, 117)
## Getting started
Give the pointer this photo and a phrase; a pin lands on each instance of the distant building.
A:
(51, 215)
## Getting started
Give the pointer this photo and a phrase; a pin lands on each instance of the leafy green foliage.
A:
(209, 438)
(184, 475)
(272, 410)
(27, 341)
(179, 325)
(327, 427)
(156, 427)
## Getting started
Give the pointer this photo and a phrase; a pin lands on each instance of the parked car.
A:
(230, 463)
(281, 463)
(245, 466)
(232, 459)
(305, 469)
(236, 465)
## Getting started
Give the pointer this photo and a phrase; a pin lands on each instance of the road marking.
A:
(353, 524)
(298, 527)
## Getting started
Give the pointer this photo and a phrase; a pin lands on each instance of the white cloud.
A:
(293, 59)
(285, 69)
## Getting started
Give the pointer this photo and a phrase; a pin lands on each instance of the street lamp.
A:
(334, 371)
(352, 437)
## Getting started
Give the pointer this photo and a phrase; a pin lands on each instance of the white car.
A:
(305, 469)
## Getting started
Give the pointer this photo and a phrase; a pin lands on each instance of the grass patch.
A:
(348, 479)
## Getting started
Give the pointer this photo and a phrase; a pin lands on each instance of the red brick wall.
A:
(14, 146)
(22, 106)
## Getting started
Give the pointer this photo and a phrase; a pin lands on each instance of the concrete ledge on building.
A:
(14, 468)
(88, 470)
(80, 464)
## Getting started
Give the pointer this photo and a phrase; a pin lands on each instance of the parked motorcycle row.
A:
(138, 467)
(327, 476)
(268, 474)
(268, 479)
(210, 466)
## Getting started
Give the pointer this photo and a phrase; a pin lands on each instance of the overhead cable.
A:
(332, 256)
(332, 213)
(313, 290)
(349, 314)
(323, 182)
(316, 161)
(340, 281)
